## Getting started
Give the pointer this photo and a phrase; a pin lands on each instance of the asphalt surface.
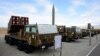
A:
(96, 51)
(77, 48)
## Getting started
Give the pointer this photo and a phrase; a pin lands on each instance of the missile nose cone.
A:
(53, 6)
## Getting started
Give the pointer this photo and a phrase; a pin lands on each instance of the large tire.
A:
(16, 41)
(11, 42)
(64, 38)
(28, 48)
(20, 45)
(46, 47)
(68, 39)
(6, 39)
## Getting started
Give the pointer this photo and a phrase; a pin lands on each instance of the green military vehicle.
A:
(30, 37)
(73, 33)
(84, 32)
(62, 30)
(69, 33)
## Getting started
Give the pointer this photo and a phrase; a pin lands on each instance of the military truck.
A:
(69, 33)
(77, 31)
(84, 32)
(94, 32)
(97, 31)
(73, 33)
(62, 30)
(30, 37)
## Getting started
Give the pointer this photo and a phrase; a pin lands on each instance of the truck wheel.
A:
(28, 51)
(11, 41)
(8, 40)
(15, 41)
(28, 48)
(68, 39)
(5, 37)
(63, 39)
(46, 47)
(20, 45)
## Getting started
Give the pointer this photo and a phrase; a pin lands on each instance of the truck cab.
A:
(40, 35)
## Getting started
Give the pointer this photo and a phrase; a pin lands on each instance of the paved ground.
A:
(78, 48)
(95, 51)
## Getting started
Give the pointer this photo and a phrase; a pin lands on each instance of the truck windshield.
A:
(33, 30)
(27, 29)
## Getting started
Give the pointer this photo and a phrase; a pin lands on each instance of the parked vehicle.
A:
(30, 37)
(69, 33)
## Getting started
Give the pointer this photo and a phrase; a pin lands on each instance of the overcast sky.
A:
(68, 12)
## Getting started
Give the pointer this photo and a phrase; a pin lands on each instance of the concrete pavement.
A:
(78, 48)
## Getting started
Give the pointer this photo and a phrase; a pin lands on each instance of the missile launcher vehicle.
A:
(28, 37)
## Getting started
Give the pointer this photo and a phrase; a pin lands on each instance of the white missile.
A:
(53, 15)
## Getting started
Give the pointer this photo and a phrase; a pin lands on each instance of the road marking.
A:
(93, 49)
